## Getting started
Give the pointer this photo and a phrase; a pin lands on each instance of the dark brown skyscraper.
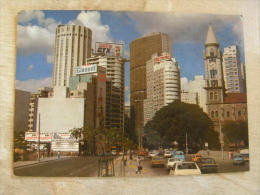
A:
(141, 51)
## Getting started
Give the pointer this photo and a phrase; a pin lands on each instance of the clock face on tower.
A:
(212, 64)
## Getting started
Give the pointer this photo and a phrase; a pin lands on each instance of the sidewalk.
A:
(27, 163)
(129, 169)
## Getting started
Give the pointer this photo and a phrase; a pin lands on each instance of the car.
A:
(171, 162)
(207, 165)
(157, 162)
(113, 152)
(142, 153)
(152, 154)
(185, 168)
(167, 154)
(238, 160)
(196, 157)
(245, 154)
(179, 154)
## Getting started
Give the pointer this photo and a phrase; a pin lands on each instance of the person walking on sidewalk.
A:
(139, 167)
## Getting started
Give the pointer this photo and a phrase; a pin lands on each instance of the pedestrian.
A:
(139, 167)
(208, 151)
(58, 155)
(229, 155)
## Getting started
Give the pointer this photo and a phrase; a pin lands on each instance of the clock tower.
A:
(215, 87)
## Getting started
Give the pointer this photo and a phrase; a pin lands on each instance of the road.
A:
(88, 167)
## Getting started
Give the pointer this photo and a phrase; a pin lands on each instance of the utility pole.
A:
(186, 143)
(39, 134)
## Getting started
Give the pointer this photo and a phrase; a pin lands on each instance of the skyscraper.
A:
(163, 84)
(72, 47)
(141, 51)
(232, 70)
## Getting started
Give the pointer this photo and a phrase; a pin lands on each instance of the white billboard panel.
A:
(33, 137)
(110, 49)
(67, 137)
(65, 146)
(86, 69)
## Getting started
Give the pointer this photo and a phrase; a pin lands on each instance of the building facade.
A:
(33, 106)
(163, 84)
(115, 74)
(141, 51)
(22, 101)
(233, 72)
(221, 106)
(72, 47)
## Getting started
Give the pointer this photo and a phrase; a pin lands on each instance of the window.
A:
(215, 95)
(239, 113)
(211, 95)
(212, 114)
(216, 113)
(228, 114)
(212, 54)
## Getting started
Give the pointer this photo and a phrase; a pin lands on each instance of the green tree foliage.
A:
(19, 141)
(172, 122)
(235, 133)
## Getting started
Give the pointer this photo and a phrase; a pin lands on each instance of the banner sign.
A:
(65, 146)
(65, 137)
(33, 137)
(86, 69)
(159, 58)
(110, 49)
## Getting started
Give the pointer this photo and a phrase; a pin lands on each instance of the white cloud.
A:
(50, 59)
(187, 28)
(92, 20)
(127, 99)
(33, 85)
(34, 39)
(126, 88)
(30, 67)
(184, 84)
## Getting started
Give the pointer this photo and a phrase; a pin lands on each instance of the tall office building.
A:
(114, 88)
(163, 84)
(72, 47)
(141, 51)
(233, 74)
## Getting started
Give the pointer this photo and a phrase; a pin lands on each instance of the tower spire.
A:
(211, 37)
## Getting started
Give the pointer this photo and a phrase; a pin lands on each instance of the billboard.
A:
(33, 137)
(65, 146)
(164, 57)
(63, 137)
(85, 69)
(110, 49)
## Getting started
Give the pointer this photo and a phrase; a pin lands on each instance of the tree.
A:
(174, 121)
(235, 133)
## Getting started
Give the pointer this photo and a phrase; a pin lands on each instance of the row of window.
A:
(228, 114)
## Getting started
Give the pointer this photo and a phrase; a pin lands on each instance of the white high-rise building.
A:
(233, 75)
(163, 84)
(72, 47)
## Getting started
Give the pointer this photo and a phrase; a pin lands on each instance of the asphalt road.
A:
(88, 167)
(68, 167)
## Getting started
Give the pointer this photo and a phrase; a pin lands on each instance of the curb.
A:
(39, 162)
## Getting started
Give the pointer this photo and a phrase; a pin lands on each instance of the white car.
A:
(171, 162)
(167, 154)
(152, 154)
(185, 168)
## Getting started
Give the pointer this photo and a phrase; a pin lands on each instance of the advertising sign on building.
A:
(86, 69)
(110, 49)
(33, 137)
(64, 142)
(163, 57)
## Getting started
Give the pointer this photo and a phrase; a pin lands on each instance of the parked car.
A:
(157, 161)
(152, 154)
(142, 153)
(113, 152)
(171, 162)
(238, 160)
(245, 154)
(185, 168)
(196, 157)
(207, 165)
(179, 154)
(167, 154)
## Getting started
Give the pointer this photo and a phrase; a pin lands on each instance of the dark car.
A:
(207, 165)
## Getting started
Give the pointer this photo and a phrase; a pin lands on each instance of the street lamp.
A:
(138, 129)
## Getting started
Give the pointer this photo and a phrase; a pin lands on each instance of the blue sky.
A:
(36, 32)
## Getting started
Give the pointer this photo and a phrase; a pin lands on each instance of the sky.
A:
(36, 39)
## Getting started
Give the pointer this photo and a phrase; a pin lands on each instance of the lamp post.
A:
(138, 129)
